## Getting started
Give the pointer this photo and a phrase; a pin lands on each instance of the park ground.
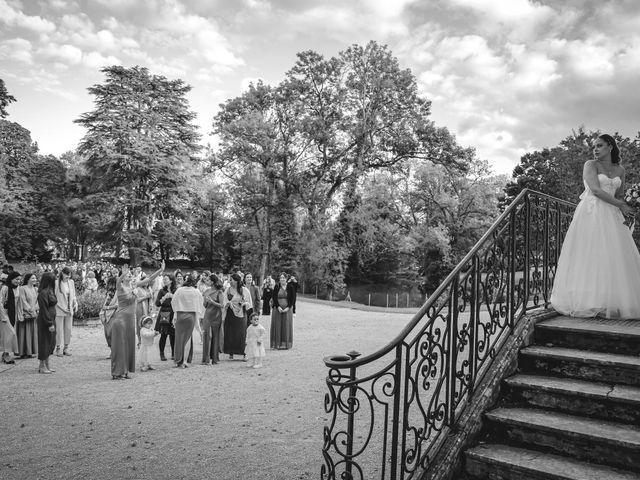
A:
(221, 422)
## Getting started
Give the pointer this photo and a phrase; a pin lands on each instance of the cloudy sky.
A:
(505, 76)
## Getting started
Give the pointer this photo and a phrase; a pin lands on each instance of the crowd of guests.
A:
(37, 309)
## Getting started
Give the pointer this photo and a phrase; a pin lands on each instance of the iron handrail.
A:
(443, 285)
(389, 409)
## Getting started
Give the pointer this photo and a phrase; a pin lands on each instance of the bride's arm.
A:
(590, 176)
(620, 191)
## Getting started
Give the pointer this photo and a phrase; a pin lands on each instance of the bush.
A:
(89, 304)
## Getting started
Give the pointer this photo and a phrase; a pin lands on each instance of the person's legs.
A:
(215, 342)
(190, 357)
(180, 339)
(172, 341)
(59, 334)
(161, 344)
(206, 341)
(258, 362)
(68, 322)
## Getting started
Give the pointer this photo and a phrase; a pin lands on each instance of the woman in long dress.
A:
(109, 307)
(282, 303)
(8, 339)
(598, 271)
(26, 325)
(238, 301)
(46, 321)
(188, 306)
(212, 322)
(123, 326)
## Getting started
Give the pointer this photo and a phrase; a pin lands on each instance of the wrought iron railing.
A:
(389, 411)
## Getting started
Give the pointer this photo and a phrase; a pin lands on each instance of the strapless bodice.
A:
(609, 185)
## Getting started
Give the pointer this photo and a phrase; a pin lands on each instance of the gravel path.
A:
(219, 422)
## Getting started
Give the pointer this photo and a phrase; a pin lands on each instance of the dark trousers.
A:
(163, 341)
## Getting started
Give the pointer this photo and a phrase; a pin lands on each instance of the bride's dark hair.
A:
(615, 151)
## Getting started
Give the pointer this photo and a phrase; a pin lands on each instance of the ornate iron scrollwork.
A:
(388, 410)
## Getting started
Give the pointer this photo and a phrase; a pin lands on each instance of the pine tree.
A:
(139, 152)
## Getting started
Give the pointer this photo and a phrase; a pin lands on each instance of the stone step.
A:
(601, 335)
(581, 364)
(502, 462)
(584, 438)
(607, 401)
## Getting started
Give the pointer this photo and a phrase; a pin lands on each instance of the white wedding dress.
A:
(598, 271)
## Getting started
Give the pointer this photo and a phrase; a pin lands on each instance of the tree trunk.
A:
(211, 241)
(134, 257)
(118, 248)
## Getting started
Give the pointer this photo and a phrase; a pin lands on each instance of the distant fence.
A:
(371, 295)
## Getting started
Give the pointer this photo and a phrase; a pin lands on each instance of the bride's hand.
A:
(627, 210)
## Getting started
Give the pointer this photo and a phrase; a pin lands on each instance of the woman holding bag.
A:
(164, 321)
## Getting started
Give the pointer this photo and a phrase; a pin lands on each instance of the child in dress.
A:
(255, 342)
(91, 284)
(147, 334)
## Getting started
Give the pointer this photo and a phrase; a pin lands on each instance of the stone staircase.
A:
(572, 412)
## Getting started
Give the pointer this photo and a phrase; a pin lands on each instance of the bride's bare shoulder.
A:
(589, 164)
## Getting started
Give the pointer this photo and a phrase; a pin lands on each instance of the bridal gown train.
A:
(598, 271)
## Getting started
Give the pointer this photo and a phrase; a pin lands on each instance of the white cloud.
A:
(531, 69)
(513, 12)
(65, 53)
(17, 49)
(76, 21)
(590, 59)
(96, 60)
(15, 18)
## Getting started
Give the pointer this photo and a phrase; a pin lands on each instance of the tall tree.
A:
(257, 147)
(140, 149)
(31, 194)
(5, 99)
(359, 112)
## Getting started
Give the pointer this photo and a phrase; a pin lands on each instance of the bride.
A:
(598, 271)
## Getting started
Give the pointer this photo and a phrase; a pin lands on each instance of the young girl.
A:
(91, 283)
(147, 334)
(255, 342)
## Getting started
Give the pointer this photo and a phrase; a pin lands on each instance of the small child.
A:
(91, 284)
(255, 342)
(147, 334)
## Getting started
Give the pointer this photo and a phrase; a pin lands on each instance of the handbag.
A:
(164, 318)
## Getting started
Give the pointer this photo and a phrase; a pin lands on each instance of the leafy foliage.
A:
(89, 304)
(31, 199)
(139, 154)
(5, 99)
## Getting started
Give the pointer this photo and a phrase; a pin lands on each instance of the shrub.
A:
(89, 304)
